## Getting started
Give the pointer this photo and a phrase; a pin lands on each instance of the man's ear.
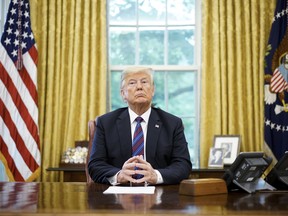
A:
(123, 95)
(153, 89)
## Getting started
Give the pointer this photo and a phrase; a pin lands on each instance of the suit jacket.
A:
(166, 146)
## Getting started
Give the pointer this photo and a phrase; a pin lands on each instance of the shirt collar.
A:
(133, 115)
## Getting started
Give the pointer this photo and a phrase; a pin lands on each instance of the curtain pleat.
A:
(72, 73)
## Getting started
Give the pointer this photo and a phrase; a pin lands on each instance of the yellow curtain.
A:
(72, 70)
(235, 34)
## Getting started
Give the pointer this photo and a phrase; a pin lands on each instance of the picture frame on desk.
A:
(216, 156)
(231, 146)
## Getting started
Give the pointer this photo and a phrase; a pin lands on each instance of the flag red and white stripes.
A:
(278, 82)
(19, 133)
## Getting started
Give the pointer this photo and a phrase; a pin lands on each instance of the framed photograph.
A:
(231, 146)
(216, 157)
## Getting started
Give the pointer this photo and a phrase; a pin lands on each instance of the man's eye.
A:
(131, 82)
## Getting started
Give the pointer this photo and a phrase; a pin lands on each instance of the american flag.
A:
(276, 82)
(19, 133)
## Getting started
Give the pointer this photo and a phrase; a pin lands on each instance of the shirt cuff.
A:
(159, 177)
(113, 179)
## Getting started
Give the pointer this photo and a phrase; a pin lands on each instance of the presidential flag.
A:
(276, 82)
(19, 133)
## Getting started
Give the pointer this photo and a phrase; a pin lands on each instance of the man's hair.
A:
(135, 69)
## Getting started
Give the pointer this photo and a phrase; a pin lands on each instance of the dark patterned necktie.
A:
(138, 143)
(138, 139)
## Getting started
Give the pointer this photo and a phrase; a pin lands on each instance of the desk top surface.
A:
(84, 199)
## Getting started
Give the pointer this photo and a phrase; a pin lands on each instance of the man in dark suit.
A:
(165, 159)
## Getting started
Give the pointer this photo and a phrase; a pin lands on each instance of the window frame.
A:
(196, 68)
(4, 4)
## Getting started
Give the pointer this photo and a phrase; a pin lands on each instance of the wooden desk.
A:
(87, 199)
(77, 173)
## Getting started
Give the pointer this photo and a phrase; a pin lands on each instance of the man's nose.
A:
(139, 84)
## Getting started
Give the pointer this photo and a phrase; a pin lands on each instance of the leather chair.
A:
(91, 132)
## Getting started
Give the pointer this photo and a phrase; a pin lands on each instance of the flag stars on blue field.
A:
(7, 41)
(13, 11)
(279, 14)
(17, 30)
(277, 127)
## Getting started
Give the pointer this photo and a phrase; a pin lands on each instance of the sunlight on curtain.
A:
(235, 34)
(72, 70)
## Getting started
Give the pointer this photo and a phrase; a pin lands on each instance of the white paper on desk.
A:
(130, 190)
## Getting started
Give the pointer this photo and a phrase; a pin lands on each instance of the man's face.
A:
(138, 89)
(218, 154)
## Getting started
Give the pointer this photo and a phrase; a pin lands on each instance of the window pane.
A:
(151, 46)
(180, 12)
(175, 93)
(181, 94)
(159, 97)
(179, 99)
(189, 130)
(152, 12)
(117, 101)
(181, 45)
(181, 102)
(122, 12)
(122, 46)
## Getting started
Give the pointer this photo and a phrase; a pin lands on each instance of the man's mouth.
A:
(140, 95)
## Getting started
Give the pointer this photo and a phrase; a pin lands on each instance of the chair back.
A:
(91, 132)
